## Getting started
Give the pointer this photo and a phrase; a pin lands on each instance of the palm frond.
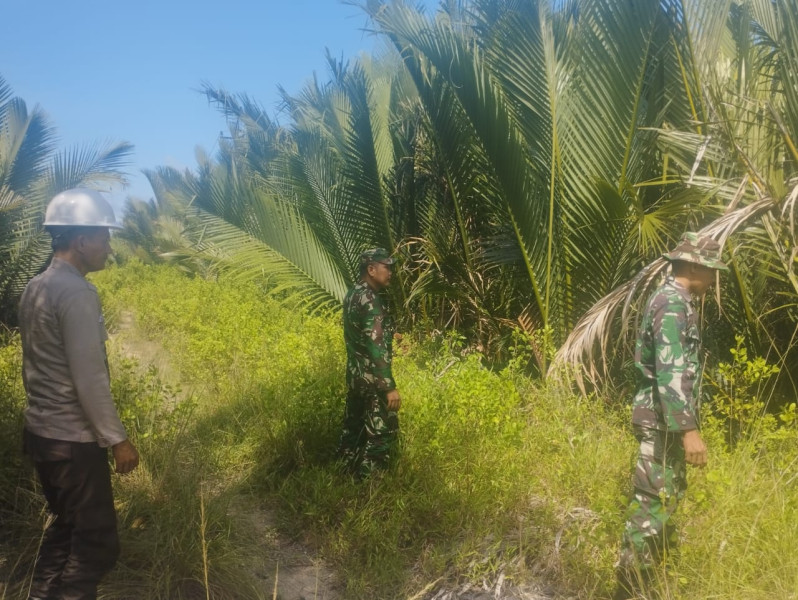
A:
(475, 92)
(597, 336)
(307, 273)
(26, 143)
(5, 93)
(89, 165)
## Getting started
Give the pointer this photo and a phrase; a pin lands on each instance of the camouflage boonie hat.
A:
(702, 250)
(378, 255)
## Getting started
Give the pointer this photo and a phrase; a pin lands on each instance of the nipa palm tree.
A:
(32, 172)
(735, 165)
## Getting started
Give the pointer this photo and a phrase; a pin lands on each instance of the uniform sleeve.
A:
(377, 345)
(82, 333)
(675, 375)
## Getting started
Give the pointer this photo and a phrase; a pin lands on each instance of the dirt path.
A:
(499, 590)
(284, 569)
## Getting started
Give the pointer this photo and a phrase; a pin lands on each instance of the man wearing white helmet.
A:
(71, 420)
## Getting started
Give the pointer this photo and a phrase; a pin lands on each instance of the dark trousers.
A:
(81, 544)
(370, 432)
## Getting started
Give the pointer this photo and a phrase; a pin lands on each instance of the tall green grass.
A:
(498, 474)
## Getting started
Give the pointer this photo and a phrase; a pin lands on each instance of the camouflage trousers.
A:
(660, 483)
(370, 433)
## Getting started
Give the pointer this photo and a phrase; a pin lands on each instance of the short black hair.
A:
(64, 235)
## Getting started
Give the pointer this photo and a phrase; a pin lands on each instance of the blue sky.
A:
(129, 71)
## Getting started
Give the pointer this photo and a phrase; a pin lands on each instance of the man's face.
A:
(701, 280)
(95, 247)
(380, 274)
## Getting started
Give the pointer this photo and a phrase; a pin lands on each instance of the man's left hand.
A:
(126, 457)
(394, 401)
(695, 451)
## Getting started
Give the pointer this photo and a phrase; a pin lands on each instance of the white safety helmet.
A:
(80, 207)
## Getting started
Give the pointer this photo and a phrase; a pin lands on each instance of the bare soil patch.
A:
(286, 569)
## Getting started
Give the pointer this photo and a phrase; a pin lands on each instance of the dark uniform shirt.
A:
(368, 334)
(667, 358)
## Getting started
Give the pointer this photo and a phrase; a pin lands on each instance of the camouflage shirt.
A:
(667, 359)
(368, 334)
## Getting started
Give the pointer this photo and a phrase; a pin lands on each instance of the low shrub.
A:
(499, 475)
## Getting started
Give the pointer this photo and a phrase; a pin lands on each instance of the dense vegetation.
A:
(32, 171)
(499, 474)
(527, 161)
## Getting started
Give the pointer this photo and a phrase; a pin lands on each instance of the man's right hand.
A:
(695, 451)
(126, 457)
(394, 401)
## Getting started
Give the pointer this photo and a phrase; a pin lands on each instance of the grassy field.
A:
(499, 474)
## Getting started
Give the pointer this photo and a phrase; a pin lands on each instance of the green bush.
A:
(498, 474)
(738, 391)
(12, 400)
(20, 506)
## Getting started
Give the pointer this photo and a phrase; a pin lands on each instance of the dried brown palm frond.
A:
(592, 340)
(597, 336)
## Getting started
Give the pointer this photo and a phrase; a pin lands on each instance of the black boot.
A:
(624, 589)
(633, 584)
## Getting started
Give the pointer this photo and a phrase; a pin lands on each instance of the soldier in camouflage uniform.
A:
(371, 426)
(664, 414)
